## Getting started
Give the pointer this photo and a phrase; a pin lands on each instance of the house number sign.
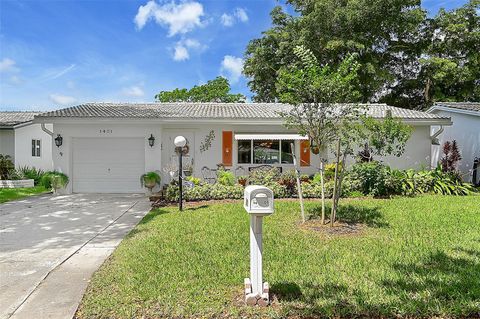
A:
(106, 131)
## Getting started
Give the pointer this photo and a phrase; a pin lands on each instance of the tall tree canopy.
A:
(406, 57)
(217, 90)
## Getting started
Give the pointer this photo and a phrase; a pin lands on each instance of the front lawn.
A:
(407, 257)
(8, 194)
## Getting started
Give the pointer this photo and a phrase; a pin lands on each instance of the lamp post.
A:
(180, 143)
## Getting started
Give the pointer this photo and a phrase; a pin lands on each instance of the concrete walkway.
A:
(51, 245)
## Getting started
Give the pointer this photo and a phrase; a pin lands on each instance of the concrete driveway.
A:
(51, 245)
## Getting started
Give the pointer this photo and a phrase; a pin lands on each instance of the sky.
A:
(55, 54)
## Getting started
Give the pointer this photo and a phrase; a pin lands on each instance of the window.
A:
(36, 148)
(265, 151)
(244, 152)
(286, 154)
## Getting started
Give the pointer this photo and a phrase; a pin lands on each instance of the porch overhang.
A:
(257, 136)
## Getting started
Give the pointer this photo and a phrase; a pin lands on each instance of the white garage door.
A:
(108, 165)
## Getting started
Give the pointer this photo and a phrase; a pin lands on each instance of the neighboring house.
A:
(105, 146)
(24, 141)
(465, 130)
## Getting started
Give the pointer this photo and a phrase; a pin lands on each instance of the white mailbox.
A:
(258, 200)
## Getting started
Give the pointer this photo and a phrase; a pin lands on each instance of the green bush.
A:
(225, 178)
(205, 192)
(264, 176)
(7, 168)
(31, 173)
(436, 181)
(54, 180)
(377, 179)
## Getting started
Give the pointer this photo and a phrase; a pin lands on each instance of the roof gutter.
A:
(46, 130)
(434, 137)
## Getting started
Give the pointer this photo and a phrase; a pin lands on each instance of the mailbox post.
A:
(258, 202)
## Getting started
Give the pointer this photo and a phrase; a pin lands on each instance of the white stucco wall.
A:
(158, 157)
(23, 147)
(466, 131)
(7, 142)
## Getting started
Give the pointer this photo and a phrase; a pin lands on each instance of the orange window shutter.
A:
(304, 153)
(227, 144)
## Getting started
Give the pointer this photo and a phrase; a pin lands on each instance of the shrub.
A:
(451, 156)
(7, 168)
(329, 170)
(264, 176)
(195, 180)
(205, 192)
(31, 173)
(54, 180)
(377, 179)
(289, 180)
(225, 178)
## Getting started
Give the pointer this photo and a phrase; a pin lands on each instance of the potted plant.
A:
(150, 180)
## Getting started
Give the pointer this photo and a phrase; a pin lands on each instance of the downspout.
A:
(434, 138)
(46, 130)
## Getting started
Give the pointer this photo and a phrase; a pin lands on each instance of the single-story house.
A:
(107, 146)
(24, 141)
(465, 130)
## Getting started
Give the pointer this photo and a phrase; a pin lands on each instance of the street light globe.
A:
(180, 141)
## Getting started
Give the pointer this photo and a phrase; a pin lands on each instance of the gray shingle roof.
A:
(207, 111)
(14, 118)
(468, 106)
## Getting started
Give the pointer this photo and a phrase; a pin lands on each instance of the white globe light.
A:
(180, 141)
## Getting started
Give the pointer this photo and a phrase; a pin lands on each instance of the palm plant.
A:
(150, 180)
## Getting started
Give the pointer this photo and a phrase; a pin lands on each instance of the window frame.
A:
(36, 147)
(279, 151)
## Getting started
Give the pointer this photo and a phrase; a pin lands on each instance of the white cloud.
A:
(241, 14)
(238, 14)
(183, 47)
(15, 79)
(227, 20)
(178, 18)
(62, 99)
(133, 91)
(233, 66)
(8, 65)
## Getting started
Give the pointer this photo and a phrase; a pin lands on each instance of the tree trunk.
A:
(323, 190)
(335, 186)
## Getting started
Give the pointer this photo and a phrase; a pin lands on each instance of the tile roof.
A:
(207, 111)
(468, 106)
(13, 118)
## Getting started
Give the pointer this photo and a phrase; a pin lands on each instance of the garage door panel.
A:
(108, 165)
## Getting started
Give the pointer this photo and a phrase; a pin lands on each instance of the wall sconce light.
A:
(58, 140)
(227, 150)
(151, 140)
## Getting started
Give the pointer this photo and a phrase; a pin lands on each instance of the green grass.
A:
(417, 257)
(8, 194)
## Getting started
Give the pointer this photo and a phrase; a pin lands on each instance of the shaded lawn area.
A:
(8, 194)
(412, 257)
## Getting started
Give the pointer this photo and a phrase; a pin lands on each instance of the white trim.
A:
(270, 137)
(452, 109)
